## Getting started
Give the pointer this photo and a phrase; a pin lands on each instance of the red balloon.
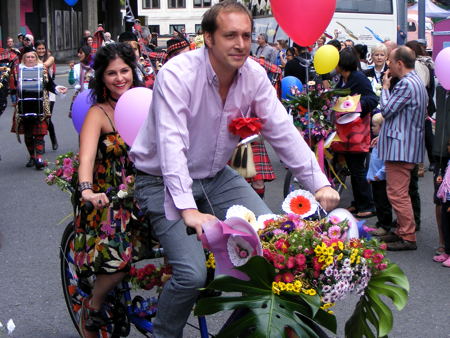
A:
(303, 20)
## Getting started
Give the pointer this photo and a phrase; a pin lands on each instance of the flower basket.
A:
(309, 265)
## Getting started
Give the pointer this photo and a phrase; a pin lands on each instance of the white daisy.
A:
(243, 213)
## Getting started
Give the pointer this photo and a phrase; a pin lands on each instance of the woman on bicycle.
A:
(103, 243)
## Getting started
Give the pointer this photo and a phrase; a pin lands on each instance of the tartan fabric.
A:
(8, 55)
(273, 71)
(36, 127)
(157, 56)
(269, 67)
(98, 40)
(264, 169)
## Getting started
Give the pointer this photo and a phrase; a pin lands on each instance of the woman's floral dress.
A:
(108, 239)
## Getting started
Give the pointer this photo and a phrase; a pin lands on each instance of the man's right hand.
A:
(195, 219)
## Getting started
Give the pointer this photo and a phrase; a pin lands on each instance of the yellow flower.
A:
(352, 259)
(358, 260)
(339, 257)
(282, 286)
(290, 287)
(327, 306)
(318, 250)
(298, 284)
(296, 289)
(341, 245)
(330, 251)
(312, 292)
(329, 260)
(275, 288)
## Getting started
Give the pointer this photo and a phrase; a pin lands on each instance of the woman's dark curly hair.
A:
(101, 61)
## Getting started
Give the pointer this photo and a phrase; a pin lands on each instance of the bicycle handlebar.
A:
(190, 231)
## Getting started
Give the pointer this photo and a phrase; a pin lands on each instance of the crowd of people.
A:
(179, 159)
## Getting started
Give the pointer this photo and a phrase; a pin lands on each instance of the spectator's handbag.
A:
(352, 129)
(242, 161)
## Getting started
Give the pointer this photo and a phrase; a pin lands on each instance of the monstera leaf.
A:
(371, 309)
(268, 314)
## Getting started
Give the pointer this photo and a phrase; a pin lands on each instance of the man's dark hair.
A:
(362, 51)
(405, 55)
(335, 43)
(348, 59)
(127, 36)
(209, 21)
(417, 47)
(300, 49)
(103, 57)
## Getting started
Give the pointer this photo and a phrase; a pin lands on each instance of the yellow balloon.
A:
(326, 59)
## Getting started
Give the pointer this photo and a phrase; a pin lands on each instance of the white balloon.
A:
(343, 214)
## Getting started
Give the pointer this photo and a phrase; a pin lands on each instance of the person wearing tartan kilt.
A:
(34, 128)
(264, 169)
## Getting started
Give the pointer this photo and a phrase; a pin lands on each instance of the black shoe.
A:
(55, 146)
(431, 167)
(30, 163)
(39, 163)
(402, 245)
(389, 238)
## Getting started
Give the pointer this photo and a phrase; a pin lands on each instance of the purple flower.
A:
(287, 226)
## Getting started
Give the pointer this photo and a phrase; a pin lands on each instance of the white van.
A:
(413, 29)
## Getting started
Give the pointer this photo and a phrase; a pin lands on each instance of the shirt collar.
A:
(211, 74)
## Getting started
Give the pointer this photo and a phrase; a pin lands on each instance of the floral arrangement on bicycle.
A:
(308, 265)
(64, 174)
(311, 109)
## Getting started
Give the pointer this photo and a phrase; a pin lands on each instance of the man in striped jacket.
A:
(401, 141)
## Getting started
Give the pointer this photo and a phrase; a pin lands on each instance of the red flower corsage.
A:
(245, 126)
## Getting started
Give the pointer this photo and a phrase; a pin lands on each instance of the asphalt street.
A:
(33, 217)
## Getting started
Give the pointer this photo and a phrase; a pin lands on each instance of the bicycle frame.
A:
(136, 311)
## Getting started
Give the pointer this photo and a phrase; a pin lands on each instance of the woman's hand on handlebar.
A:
(195, 219)
(98, 200)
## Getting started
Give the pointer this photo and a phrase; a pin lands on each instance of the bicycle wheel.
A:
(74, 289)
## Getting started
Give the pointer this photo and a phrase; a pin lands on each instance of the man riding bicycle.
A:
(182, 150)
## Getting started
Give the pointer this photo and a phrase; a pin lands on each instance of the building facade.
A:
(163, 16)
(58, 23)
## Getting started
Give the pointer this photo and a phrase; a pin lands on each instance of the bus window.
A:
(364, 6)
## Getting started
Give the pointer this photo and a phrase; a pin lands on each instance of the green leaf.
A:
(269, 314)
(371, 309)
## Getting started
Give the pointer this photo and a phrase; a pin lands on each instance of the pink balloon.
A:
(442, 67)
(303, 20)
(131, 111)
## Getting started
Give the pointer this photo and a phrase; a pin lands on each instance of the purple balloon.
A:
(442, 67)
(80, 108)
(131, 111)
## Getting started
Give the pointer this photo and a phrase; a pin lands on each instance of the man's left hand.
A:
(328, 198)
